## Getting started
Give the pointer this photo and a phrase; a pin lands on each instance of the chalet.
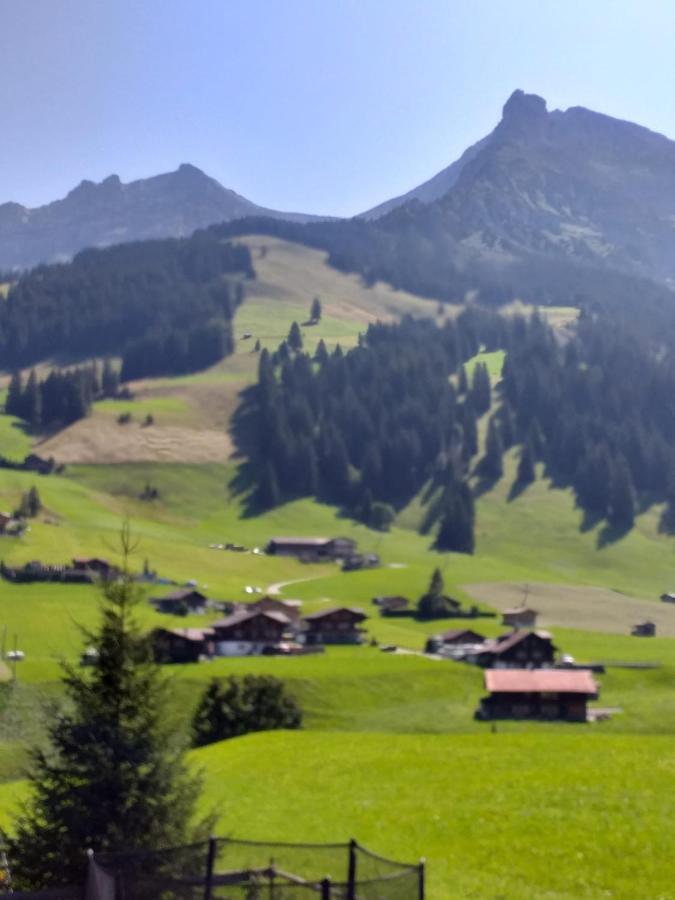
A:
(288, 608)
(334, 626)
(517, 650)
(358, 561)
(317, 549)
(538, 694)
(519, 617)
(461, 637)
(181, 645)
(644, 629)
(252, 633)
(95, 564)
(181, 602)
(392, 605)
(668, 598)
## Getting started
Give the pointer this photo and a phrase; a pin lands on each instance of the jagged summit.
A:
(173, 204)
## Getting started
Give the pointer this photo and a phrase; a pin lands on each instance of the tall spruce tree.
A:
(33, 400)
(295, 337)
(14, 400)
(491, 465)
(315, 313)
(621, 497)
(526, 473)
(112, 775)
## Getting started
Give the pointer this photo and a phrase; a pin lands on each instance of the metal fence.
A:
(229, 869)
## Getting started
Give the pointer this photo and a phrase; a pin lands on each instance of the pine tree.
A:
(268, 489)
(321, 354)
(112, 775)
(491, 465)
(33, 400)
(481, 390)
(295, 337)
(462, 381)
(315, 314)
(526, 473)
(621, 497)
(14, 401)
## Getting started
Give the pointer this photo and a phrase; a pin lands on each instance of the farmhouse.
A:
(461, 637)
(644, 629)
(181, 602)
(289, 608)
(517, 650)
(537, 694)
(181, 645)
(312, 549)
(334, 626)
(667, 598)
(98, 566)
(392, 605)
(247, 633)
(520, 617)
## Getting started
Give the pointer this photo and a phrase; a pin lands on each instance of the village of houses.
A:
(525, 674)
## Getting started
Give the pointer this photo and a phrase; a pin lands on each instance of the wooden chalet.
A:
(537, 694)
(251, 633)
(289, 608)
(517, 650)
(181, 645)
(667, 598)
(461, 637)
(644, 629)
(392, 605)
(96, 565)
(181, 602)
(334, 626)
(312, 549)
(520, 617)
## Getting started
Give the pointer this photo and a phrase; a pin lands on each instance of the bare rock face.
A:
(96, 215)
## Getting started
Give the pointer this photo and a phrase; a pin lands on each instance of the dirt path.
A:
(278, 586)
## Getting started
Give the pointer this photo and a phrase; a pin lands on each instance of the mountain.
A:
(169, 205)
(572, 185)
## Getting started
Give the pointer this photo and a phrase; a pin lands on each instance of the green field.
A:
(391, 753)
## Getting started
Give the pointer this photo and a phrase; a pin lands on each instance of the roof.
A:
(525, 681)
(180, 594)
(245, 615)
(455, 633)
(90, 559)
(309, 541)
(506, 641)
(519, 611)
(329, 612)
(189, 634)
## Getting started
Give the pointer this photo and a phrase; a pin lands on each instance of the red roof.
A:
(525, 681)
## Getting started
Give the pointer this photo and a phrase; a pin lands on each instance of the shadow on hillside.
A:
(610, 534)
(517, 488)
(484, 485)
(589, 520)
(433, 512)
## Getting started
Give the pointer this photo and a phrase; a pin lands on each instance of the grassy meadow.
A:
(390, 752)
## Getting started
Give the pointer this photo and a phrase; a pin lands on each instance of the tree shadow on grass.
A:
(589, 520)
(484, 485)
(610, 534)
(517, 488)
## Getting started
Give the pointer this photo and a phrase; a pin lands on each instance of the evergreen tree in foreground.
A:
(315, 312)
(295, 337)
(112, 776)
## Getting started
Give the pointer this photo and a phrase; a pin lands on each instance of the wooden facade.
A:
(520, 617)
(538, 694)
(312, 549)
(181, 602)
(517, 650)
(181, 645)
(335, 626)
(250, 633)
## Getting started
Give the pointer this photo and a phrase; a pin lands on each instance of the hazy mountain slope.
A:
(169, 205)
(573, 185)
(432, 189)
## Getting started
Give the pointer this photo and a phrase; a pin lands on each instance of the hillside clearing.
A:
(577, 606)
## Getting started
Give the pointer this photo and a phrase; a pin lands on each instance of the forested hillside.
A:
(166, 305)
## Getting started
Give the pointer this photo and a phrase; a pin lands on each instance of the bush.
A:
(242, 705)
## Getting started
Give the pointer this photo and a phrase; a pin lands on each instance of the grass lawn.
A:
(496, 815)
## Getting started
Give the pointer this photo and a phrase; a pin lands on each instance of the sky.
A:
(323, 106)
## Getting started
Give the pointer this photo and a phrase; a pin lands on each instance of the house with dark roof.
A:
(312, 549)
(181, 602)
(288, 608)
(520, 617)
(181, 645)
(251, 633)
(537, 694)
(334, 626)
(461, 637)
(517, 650)
(96, 565)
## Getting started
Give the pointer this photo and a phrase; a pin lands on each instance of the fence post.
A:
(325, 889)
(210, 859)
(421, 875)
(351, 875)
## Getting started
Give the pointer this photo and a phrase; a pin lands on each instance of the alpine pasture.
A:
(390, 752)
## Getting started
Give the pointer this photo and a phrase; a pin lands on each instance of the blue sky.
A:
(326, 106)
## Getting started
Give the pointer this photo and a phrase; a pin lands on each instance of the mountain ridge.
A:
(98, 214)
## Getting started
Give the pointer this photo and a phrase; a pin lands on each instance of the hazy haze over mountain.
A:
(92, 215)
